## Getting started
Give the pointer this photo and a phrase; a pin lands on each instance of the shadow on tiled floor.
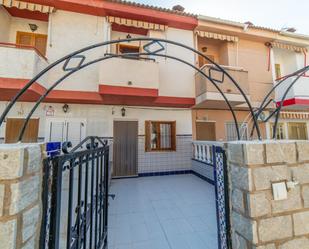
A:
(163, 212)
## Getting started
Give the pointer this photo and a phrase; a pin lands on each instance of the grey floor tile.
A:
(164, 212)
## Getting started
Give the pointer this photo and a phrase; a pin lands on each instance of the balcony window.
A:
(215, 49)
(38, 41)
(127, 49)
(160, 136)
(278, 71)
(231, 132)
(297, 131)
(203, 61)
(280, 131)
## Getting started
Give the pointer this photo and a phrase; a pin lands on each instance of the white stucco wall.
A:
(299, 90)
(22, 24)
(290, 61)
(5, 20)
(10, 25)
(29, 64)
(69, 32)
(100, 118)
(119, 71)
(19, 63)
(176, 79)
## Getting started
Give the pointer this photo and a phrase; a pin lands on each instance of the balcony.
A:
(207, 96)
(298, 95)
(20, 64)
(129, 77)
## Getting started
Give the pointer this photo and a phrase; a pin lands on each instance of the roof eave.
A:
(220, 21)
(293, 35)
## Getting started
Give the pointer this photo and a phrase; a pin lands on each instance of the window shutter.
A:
(24, 39)
(173, 134)
(147, 136)
(41, 43)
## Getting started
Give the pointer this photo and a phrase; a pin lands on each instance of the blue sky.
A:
(270, 13)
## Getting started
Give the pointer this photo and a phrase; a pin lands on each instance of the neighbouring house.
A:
(256, 57)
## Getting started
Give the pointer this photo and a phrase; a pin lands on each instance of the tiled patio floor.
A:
(162, 212)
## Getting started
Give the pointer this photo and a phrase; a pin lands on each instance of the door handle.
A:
(113, 196)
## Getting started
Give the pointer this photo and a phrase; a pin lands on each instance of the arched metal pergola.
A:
(158, 51)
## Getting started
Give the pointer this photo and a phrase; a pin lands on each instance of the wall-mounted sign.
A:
(50, 111)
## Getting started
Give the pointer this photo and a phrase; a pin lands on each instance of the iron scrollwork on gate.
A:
(75, 198)
(222, 198)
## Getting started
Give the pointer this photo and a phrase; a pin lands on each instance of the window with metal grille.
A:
(280, 134)
(278, 71)
(160, 136)
(231, 132)
(297, 131)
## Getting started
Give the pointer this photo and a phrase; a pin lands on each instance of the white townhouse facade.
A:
(149, 99)
(150, 105)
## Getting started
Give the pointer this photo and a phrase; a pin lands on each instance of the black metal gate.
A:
(75, 197)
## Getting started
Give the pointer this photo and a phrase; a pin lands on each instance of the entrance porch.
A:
(163, 212)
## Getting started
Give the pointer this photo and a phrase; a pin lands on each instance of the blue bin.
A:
(53, 149)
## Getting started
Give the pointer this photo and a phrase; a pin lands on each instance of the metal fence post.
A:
(55, 204)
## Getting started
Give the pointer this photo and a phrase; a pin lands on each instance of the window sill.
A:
(154, 151)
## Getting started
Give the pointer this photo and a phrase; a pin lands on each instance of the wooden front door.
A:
(125, 148)
(205, 131)
(13, 129)
(39, 41)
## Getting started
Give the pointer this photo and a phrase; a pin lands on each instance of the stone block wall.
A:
(258, 221)
(20, 195)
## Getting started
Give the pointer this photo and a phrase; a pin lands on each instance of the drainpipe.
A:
(196, 47)
(269, 58)
(305, 63)
(49, 31)
(237, 54)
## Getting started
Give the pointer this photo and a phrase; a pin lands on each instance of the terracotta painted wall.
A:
(253, 57)
(5, 20)
(216, 48)
(220, 117)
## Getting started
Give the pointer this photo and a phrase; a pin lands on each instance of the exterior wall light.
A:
(33, 27)
(65, 108)
(123, 112)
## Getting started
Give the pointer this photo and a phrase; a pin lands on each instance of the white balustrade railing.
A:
(203, 150)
